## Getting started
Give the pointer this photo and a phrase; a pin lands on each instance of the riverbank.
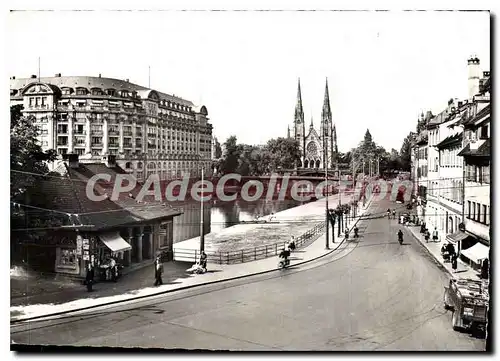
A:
(284, 224)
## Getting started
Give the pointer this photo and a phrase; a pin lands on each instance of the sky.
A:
(383, 68)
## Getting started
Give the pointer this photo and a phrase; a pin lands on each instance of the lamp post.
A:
(326, 183)
(202, 228)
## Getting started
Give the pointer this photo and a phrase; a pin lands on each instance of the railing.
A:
(249, 254)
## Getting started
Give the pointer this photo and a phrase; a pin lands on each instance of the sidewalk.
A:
(139, 283)
(434, 248)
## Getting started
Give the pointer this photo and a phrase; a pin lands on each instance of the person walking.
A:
(158, 271)
(454, 262)
(89, 278)
(435, 235)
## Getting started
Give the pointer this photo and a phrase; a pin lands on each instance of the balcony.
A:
(127, 145)
(113, 145)
(127, 133)
(97, 133)
(62, 144)
(97, 145)
(138, 134)
(113, 132)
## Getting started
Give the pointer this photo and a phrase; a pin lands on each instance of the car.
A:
(469, 301)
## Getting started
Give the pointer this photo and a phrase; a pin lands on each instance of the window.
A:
(484, 132)
(486, 174)
(96, 140)
(487, 216)
(67, 258)
(473, 213)
(80, 151)
(62, 151)
(478, 215)
(81, 91)
(484, 214)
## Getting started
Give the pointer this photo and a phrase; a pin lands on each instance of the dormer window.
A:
(66, 91)
(13, 92)
(124, 94)
(81, 91)
(110, 92)
(96, 91)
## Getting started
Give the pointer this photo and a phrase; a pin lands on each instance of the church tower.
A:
(326, 130)
(299, 124)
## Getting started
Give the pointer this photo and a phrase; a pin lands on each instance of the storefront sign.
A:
(79, 244)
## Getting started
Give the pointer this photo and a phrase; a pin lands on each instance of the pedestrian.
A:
(203, 260)
(291, 245)
(454, 263)
(89, 278)
(158, 271)
(427, 235)
(435, 234)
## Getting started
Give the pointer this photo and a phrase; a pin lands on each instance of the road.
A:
(376, 295)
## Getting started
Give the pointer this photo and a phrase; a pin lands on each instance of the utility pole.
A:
(202, 228)
(327, 188)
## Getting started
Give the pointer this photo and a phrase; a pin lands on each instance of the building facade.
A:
(85, 230)
(149, 132)
(318, 148)
(476, 155)
(458, 159)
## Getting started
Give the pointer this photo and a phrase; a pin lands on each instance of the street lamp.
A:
(325, 162)
(202, 228)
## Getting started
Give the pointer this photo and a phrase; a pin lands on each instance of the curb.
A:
(436, 259)
(136, 298)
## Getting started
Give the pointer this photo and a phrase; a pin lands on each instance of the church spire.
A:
(327, 113)
(299, 110)
(288, 132)
(312, 123)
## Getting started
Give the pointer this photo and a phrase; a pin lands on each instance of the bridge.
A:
(311, 172)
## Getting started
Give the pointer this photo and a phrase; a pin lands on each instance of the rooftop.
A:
(67, 193)
(90, 82)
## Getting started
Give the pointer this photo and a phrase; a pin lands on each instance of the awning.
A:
(477, 252)
(457, 236)
(114, 242)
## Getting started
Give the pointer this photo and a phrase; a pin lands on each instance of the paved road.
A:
(372, 295)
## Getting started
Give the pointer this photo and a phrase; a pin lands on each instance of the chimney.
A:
(58, 75)
(109, 160)
(474, 74)
(99, 75)
(72, 160)
(33, 76)
(13, 78)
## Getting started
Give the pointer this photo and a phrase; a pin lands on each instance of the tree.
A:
(26, 154)
(405, 153)
(283, 153)
(230, 160)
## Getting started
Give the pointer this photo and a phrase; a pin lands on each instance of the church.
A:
(316, 147)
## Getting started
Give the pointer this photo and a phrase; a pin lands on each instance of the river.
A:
(219, 215)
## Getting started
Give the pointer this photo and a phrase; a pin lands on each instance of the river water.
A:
(219, 215)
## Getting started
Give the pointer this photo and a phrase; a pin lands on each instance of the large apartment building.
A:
(148, 131)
